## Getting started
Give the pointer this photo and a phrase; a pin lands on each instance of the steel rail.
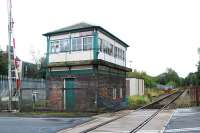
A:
(154, 114)
(109, 121)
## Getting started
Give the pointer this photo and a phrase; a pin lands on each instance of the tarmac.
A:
(184, 120)
(38, 125)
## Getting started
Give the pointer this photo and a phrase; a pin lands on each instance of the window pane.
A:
(62, 49)
(79, 46)
(54, 46)
(100, 46)
(76, 44)
(67, 45)
(87, 43)
(115, 52)
(120, 53)
(121, 93)
(51, 47)
(104, 46)
(73, 44)
(111, 49)
(107, 48)
(123, 56)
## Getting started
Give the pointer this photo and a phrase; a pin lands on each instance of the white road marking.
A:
(182, 130)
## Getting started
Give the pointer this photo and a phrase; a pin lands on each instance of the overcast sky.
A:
(161, 33)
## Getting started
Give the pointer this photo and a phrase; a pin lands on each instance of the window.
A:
(110, 49)
(62, 49)
(54, 46)
(114, 93)
(100, 45)
(104, 46)
(65, 45)
(57, 45)
(123, 55)
(115, 52)
(87, 43)
(111, 52)
(120, 53)
(76, 44)
(107, 47)
(120, 93)
(52, 49)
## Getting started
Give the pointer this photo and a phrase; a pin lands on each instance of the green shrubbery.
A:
(137, 101)
(153, 92)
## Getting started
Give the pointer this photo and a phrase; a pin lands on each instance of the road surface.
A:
(38, 125)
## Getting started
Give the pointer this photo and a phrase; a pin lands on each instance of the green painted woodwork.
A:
(73, 72)
(111, 73)
(95, 45)
(47, 54)
(69, 94)
(85, 72)
(70, 63)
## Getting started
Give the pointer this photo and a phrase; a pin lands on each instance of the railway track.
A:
(159, 104)
(168, 100)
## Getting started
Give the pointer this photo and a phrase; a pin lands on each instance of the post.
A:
(9, 55)
(197, 95)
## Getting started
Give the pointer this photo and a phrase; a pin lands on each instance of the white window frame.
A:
(120, 92)
(67, 44)
(76, 44)
(54, 46)
(87, 37)
(114, 93)
(100, 45)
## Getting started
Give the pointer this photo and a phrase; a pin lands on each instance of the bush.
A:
(149, 95)
(137, 101)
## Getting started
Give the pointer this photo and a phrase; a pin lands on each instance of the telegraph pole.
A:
(9, 55)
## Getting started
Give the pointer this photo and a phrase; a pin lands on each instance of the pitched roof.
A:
(83, 26)
(72, 27)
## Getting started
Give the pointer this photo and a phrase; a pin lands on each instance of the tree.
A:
(149, 81)
(170, 77)
(191, 79)
(3, 63)
(37, 70)
(42, 68)
(198, 74)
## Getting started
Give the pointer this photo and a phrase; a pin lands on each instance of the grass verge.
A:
(135, 102)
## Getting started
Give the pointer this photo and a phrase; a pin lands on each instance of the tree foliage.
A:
(170, 77)
(198, 74)
(3, 63)
(148, 80)
(42, 67)
(193, 78)
(29, 70)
